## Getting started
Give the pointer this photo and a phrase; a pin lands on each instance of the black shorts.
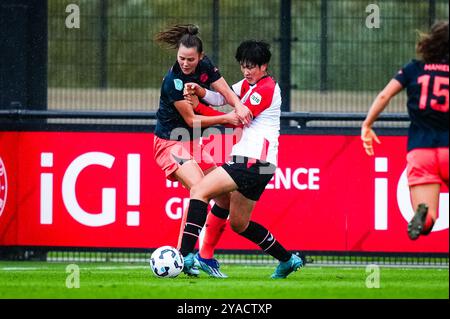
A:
(250, 175)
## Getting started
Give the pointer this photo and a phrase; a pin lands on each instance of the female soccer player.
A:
(427, 84)
(175, 148)
(252, 165)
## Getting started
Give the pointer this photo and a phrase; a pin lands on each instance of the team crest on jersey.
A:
(255, 98)
(178, 84)
(204, 77)
(3, 186)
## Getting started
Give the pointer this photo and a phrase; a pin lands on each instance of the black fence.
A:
(145, 121)
(242, 257)
(328, 55)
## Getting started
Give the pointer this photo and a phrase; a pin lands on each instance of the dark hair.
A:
(432, 47)
(185, 34)
(253, 52)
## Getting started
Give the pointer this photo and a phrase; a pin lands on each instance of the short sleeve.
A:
(209, 73)
(173, 89)
(404, 74)
(260, 98)
(237, 88)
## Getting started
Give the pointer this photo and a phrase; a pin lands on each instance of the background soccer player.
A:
(427, 84)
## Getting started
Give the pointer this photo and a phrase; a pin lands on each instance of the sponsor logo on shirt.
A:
(255, 98)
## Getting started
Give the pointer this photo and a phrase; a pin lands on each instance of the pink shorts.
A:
(427, 166)
(170, 155)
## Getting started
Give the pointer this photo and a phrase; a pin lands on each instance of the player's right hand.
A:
(244, 114)
(367, 137)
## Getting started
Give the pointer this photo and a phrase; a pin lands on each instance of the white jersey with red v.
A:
(260, 139)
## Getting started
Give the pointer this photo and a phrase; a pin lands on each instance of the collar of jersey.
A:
(265, 76)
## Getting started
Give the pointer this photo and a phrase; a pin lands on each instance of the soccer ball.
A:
(166, 261)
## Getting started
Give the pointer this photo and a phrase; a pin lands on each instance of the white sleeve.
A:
(214, 98)
(237, 88)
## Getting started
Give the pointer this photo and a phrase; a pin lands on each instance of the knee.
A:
(223, 201)
(237, 226)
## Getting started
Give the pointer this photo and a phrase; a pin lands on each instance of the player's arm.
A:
(241, 110)
(260, 99)
(210, 97)
(206, 110)
(379, 104)
(186, 110)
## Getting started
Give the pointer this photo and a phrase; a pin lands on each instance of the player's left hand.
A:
(367, 137)
(192, 88)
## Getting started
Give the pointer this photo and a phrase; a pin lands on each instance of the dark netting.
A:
(243, 257)
(339, 59)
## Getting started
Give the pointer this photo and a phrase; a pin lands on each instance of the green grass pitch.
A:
(49, 280)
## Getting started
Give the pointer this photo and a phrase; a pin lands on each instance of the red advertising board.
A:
(79, 189)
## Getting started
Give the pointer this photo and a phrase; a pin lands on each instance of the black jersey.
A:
(427, 90)
(168, 117)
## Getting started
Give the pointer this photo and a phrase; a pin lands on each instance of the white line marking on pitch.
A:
(94, 267)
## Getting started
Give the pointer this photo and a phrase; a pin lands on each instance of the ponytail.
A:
(181, 34)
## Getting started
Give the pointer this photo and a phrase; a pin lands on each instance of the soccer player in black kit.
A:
(175, 144)
(427, 83)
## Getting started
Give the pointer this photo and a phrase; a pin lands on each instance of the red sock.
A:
(214, 229)
(428, 225)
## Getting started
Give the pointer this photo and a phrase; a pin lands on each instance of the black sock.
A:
(264, 239)
(195, 221)
(220, 212)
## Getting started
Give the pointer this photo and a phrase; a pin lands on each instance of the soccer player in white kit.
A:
(252, 164)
